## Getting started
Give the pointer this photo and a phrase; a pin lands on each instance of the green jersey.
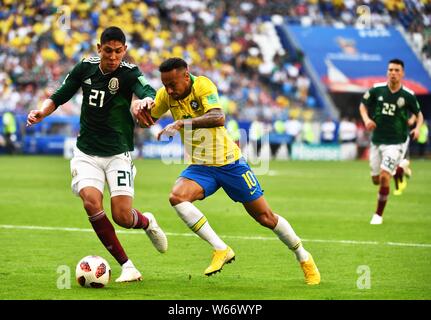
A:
(106, 124)
(390, 111)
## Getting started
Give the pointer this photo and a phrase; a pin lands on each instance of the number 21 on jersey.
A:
(96, 97)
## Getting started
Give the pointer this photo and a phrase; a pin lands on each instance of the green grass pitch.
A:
(329, 204)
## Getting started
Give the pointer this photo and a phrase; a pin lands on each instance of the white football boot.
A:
(155, 233)
(405, 164)
(376, 219)
(129, 273)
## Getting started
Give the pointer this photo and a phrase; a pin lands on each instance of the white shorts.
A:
(92, 171)
(386, 157)
(405, 148)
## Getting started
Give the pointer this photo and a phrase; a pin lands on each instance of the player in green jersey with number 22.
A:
(385, 110)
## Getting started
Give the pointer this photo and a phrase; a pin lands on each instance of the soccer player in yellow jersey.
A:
(216, 161)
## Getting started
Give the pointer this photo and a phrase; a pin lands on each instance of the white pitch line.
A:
(399, 244)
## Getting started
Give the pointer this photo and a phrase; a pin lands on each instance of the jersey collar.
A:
(103, 73)
(394, 92)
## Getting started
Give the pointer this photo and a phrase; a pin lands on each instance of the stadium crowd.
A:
(226, 40)
(41, 40)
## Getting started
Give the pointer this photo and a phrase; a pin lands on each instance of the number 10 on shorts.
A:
(249, 179)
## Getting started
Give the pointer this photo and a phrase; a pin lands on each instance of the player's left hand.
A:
(33, 117)
(414, 133)
(171, 129)
(370, 125)
(141, 110)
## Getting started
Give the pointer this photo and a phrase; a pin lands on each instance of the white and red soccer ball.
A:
(93, 272)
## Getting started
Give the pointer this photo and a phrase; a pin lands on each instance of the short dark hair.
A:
(112, 33)
(397, 61)
(172, 63)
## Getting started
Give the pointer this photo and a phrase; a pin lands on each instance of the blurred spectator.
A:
(347, 135)
(256, 132)
(232, 128)
(308, 136)
(277, 137)
(363, 140)
(423, 139)
(328, 131)
(9, 132)
(293, 131)
(347, 131)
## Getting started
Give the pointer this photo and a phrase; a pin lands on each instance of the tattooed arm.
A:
(213, 118)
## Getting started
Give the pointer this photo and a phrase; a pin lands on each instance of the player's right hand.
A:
(171, 129)
(33, 117)
(370, 125)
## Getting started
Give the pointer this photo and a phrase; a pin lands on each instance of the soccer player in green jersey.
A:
(385, 110)
(102, 152)
(216, 162)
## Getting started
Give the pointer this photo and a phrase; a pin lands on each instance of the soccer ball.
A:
(93, 272)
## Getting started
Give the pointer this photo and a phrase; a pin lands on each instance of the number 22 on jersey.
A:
(389, 109)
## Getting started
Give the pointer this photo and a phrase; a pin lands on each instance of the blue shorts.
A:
(236, 179)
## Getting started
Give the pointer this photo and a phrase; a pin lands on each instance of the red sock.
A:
(106, 233)
(139, 220)
(399, 174)
(381, 200)
(396, 181)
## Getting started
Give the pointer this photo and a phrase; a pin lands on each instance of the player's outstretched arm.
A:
(171, 129)
(213, 118)
(36, 116)
(141, 110)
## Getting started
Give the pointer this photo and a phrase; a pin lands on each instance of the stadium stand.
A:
(225, 40)
(39, 44)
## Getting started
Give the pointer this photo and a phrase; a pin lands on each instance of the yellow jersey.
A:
(206, 146)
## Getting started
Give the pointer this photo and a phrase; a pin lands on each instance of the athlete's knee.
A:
(177, 198)
(92, 206)
(375, 180)
(385, 178)
(267, 219)
(123, 217)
